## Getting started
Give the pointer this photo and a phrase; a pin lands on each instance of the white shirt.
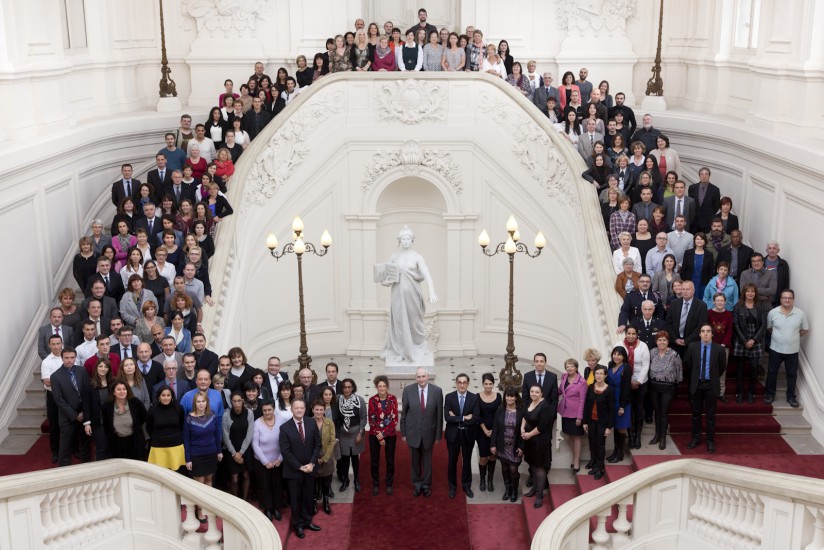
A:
(618, 259)
(85, 350)
(274, 382)
(207, 149)
(125, 273)
(49, 366)
(640, 371)
(168, 272)
(497, 67)
(113, 340)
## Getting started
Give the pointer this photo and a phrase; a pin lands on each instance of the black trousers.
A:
(637, 398)
(739, 374)
(790, 361)
(703, 401)
(662, 397)
(54, 423)
(270, 482)
(375, 459)
(597, 442)
(69, 429)
(421, 466)
(301, 497)
(462, 446)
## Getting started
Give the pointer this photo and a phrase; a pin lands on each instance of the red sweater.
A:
(721, 327)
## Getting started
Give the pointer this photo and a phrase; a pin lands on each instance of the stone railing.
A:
(695, 504)
(126, 504)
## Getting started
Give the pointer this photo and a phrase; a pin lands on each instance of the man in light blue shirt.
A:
(203, 380)
(787, 325)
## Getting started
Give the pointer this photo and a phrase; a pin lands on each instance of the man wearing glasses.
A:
(787, 324)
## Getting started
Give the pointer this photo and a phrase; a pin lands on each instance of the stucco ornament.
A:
(410, 157)
(585, 16)
(288, 147)
(411, 101)
(230, 17)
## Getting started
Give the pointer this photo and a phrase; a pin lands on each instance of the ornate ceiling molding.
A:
(231, 18)
(410, 157)
(411, 101)
(586, 16)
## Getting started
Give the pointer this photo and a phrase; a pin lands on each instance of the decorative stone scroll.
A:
(584, 16)
(287, 148)
(411, 156)
(411, 101)
(232, 18)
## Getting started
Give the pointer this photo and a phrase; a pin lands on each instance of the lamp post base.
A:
(510, 376)
(169, 105)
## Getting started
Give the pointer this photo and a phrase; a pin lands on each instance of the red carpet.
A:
(535, 516)
(494, 526)
(38, 458)
(729, 424)
(803, 465)
(403, 521)
(736, 444)
(682, 406)
(334, 529)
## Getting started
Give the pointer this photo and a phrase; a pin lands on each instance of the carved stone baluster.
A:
(818, 536)
(47, 518)
(112, 506)
(212, 535)
(716, 533)
(191, 524)
(621, 524)
(600, 536)
(62, 509)
(727, 521)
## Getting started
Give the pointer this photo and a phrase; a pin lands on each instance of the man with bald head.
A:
(310, 391)
(151, 370)
(422, 427)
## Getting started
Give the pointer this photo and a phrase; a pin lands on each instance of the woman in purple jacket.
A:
(572, 392)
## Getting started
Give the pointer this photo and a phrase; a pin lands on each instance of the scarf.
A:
(631, 354)
(716, 240)
(348, 410)
(383, 52)
(720, 285)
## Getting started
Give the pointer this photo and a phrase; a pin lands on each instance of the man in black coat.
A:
(206, 358)
(273, 378)
(125, 187)
(461, 411)
(706, 362)
(179, 190)
(159, 177)
(548, 382)
(71, 390)
(300, 447)
(112, 281)
(737, 254)
(648, 325)
(631, 308)
(151, 370)
(256, 119)
(684, 319)
(707, 199)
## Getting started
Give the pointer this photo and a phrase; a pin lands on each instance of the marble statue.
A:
(406, 336)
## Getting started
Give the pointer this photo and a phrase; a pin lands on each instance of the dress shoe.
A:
(313, 527)
(331, 492)
(739, 398)
(539, 501)
(299, 532)
(482, 484)
(416, 492)
(356, 483)
(693, 443)
(768, 400)
(575, 470)
(54, 459)
(793, 403)
(590, 464)
(599, 474)
(426, 492)
(592, 471)
(655, 439)
(375, 490)
(268, 514)
(343, 486)
(663, 443)
(750, 398)
(648, 420)
(531, 493)
(469, 492)
(276, 514)
(389, 490)
(326, 508)
(723, 399)
(529, 481)
(710, 447)
(451, 492)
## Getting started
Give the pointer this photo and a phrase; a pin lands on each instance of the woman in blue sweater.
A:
(202, 441)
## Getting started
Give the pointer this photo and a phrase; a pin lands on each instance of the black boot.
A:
(326, 507)
(655, 439)
(591, 463)
(618, 455)
(482, 470)
(507, 483)
(617, 447)
(516, 482)
(490, 476)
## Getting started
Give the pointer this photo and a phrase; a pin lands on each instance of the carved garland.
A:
(411, 101)
(410, 156)
(287, 148)
(586, 16)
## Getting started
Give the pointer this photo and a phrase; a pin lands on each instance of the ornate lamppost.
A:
(298, 247)
(510, 376)
(655, 85)
(167, 85)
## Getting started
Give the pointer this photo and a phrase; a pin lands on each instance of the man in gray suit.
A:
(544, 92)
(71, 391)
(586, 141)
(643, 210)
(54, 328)
(681, 204)
(421, 428)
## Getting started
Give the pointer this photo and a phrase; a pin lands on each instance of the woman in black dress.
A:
(84, 264)
(536, 431)
(599, 418)
(507, 444)
(238, 428)
(123, 419)
(164, 424)
(490, 401)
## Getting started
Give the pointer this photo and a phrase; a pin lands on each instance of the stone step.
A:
(32, 405)
(26, 424)
(794, 424)
(18, 443)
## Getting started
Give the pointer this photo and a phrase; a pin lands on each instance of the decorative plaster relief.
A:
(410, 156)
(411, 101)
(595, 15)
(533, 148)
(233, 18)
(287, 148)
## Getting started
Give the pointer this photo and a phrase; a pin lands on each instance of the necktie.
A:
(705, 371)
(74, 381)
(300, 431)
(106, 280)
(541, 380)
(151, 224)
(591, 139)
(647, 324)
(547, 92)
(461, 397)
(128, 188)
(678, 210)
(702, 191)
(162, 175)
(423, 402)
(57, 331)
(144, 369)
(646, 211)
(177, 193)
(172, 385)
(685, 309)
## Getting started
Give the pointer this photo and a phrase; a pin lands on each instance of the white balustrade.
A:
(693, 504)
(127, 503)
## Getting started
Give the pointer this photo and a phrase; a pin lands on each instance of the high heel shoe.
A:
(531, 493)
(539, 501)
(574, 469)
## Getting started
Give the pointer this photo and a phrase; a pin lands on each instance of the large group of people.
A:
(129, 371)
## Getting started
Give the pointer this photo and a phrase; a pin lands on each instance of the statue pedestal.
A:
(654, 103)
(402, 376)
(169, 105)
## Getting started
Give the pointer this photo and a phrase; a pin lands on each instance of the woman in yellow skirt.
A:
(164, 424)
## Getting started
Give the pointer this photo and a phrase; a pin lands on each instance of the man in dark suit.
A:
(310, 390)
(160, 177)
(685, 317)
(331, 380)
(111, 281)
(631, 308)
(126, 186)
(152, 371)
(707, 199)
(206, 359)
(54, 328)
(647, 324)
(179, 190)
(173, 380)
(71, 391)
(92, 313)
(108, 307)
(643, 209)
(544, 92)
(150, 222)
(679, 204)
(300, 447)
(461, 410)
(706, 362)
(422, 428)
(548, 382)
(273, 378)
(737, 254)
(124, 347)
